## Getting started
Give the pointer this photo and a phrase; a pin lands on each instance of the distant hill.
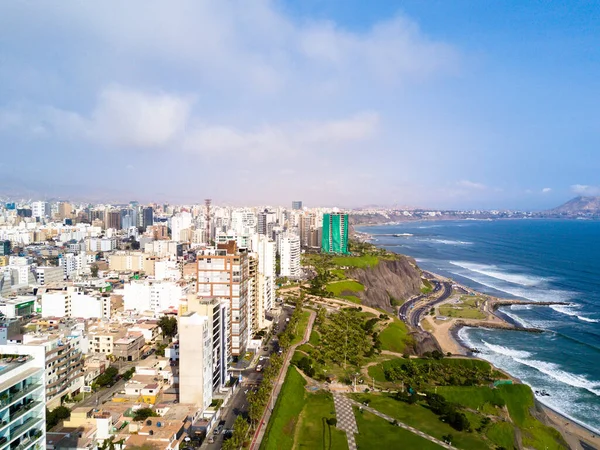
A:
(580, 205)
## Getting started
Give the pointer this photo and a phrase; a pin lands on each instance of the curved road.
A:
(411, 315)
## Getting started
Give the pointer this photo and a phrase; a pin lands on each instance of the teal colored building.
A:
(335, 233)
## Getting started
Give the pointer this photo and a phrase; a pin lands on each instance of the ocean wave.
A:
(554, 371)
(506, 351)
(450, 242)
(517, 319)
(520, 307)
(565, 309)
(572, 310)
(495, 272)
(587, 319)
(536, 295)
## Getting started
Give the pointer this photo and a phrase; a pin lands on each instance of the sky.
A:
(462, 104)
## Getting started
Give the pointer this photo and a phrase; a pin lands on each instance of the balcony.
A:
(19, 430)
(4, 403)
(23, 410)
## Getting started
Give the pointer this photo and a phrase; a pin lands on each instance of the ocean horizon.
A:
(536, 260)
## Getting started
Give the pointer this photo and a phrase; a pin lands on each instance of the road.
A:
(92, 400)
(412, 314)
(250, 377)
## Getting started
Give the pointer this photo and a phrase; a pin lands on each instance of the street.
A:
(250, 378)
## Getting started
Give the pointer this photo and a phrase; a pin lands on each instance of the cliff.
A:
(391, 279)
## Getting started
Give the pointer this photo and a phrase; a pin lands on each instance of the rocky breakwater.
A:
(393, 279)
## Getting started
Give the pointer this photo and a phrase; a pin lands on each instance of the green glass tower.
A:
(335, 233)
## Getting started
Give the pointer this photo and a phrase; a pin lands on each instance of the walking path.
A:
(345, 418)
(260, 430)
(400, 424)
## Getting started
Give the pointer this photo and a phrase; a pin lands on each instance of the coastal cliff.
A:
(390, 280)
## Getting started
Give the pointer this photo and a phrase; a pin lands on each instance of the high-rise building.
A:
(65, 210)
(222, 272)
(22, 384)
(147, 217)
(40, 209)
(195, 359)
(5, 248)
(289, 255)
(112, 219)
(261, 227)
(297, 204)
(335, 233)
(216, 309)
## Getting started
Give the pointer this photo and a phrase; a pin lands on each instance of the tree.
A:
(168, 326)
(94, 270)
(143, 413)
(56, 415)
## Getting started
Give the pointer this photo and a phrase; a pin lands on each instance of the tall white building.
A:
(195, 360)
(266, 250)
(148, 295)
(289, 255)
(40, 209)
(75, 303)
(179, 222)
(23, 407)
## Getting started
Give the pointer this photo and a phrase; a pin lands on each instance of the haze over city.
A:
(433, 104)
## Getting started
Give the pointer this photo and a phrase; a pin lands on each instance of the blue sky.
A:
(461, 104)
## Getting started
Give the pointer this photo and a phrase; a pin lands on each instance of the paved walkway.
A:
(345, 418)
(400, 424)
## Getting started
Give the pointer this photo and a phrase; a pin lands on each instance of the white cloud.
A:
(281, 139)
(546, 190)
(128, 118)
(584, 189)
(471, 185)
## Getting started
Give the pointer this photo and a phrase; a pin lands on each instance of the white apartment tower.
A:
(23, 406)
(289, 255)
(195, 360)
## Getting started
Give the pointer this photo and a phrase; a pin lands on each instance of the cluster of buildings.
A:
(84, 287)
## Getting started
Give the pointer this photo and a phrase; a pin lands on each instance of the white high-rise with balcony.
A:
(289, 255)
(22, 397)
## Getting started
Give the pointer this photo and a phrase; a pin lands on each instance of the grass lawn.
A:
(394, 337)
(422, 419)
(464, 312)
(338, 273)
(279, 434)
(301, 327)
(338, 288)
(315, 338)
(534, 434)
(375, 432)
(481, 398)
(502, 434)
(360, 262)
(313, 431)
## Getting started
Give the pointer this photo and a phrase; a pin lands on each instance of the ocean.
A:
(538, 260)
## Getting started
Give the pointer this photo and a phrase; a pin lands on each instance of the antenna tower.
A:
(207, 203)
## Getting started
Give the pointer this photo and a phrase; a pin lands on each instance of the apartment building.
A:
(195, 360)
(48, 275)
(222, 272)
(63, 364)
(75, 302)
(289, 255)
(216, 309)
(120, 342)
(155, 296)
(22, 402)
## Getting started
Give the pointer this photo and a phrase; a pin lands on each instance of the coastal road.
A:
(412, 315)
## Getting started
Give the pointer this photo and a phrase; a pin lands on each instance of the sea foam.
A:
(495, 272)
(500, 349)
(553, 371)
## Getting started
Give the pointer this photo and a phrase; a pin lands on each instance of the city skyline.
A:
(436, 106)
